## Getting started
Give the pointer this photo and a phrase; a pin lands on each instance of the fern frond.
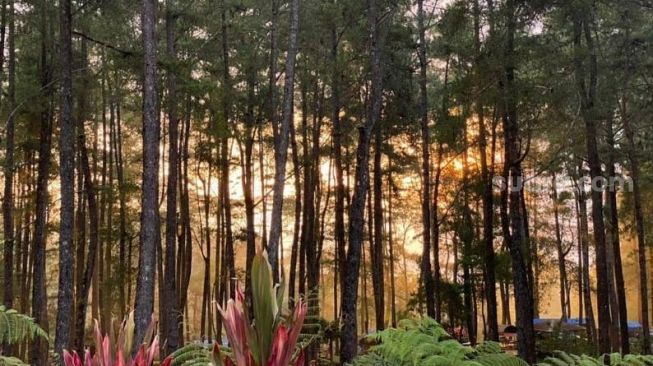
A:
(16, 327)
(11, 361)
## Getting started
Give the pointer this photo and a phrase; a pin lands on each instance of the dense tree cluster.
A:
(149, 149)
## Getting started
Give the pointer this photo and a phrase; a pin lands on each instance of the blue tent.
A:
(538, 321)
(634, 325)
(577, 321)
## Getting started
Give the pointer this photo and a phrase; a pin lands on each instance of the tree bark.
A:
(633, 159)
(613, 230)
(339, 214)
(562, 260)
(8, 199)
(39, 290)
(91, 199)
(425, 265)
(377, 245)
(281, 143)
(489, 276)
(248, 178)
(225, 155)
(517, 243)
(170, 318)
(582, 28)
(349, 293)
(150, 221)
(581, 199)
(67, 173)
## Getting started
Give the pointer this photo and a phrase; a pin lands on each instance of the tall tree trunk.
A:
(185, 249)
(150, 225)
(248, 179)
(489, 277)
(377, 252)
(339, 214)
(562, 261)
(67, 173)
(313, 247)
(225, 155)
(581, 199)
(586, 85)
(298, 209)
(170, 318)
(124, 261)
(39, 288)
(349, 292)
(425, 264)
(517, 244)
(616, 245)
(435, 207)
(391, 254)
(467, 237)
(633, 159)
(8, 199)
(281, 142)
(89, 190)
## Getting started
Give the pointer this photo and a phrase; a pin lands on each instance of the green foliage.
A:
(566, 342)
(424, 342)
(14, 328)
(11, 361)
(614, 359)
(272, 338)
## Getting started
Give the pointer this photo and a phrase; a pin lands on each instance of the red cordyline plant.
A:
(271, 339)
(118, 353)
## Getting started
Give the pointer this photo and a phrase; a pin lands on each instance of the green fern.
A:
(500, 359)
(489, 347)
(424, 342)
(613, 359)
(11, 361)
(16, 327)
(192, 354)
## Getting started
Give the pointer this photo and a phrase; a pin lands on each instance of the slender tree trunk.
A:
(425, 264)
(91, 198)
(517, 244)
(281, 143)
(185, 242)
(612, 290)
(434, 212)
(357, 208)
(391, 253)
(67, 173)
(377, 246)
(586, 83)
(633, 159)
(339, 214)
(8, 199)
(467, 238)
(248, 177)
(298, 209)
(39, 288)
(613, 225)
(584, 234)
(562, 260)
(488, 197)
(150, 225)
(170, 318)
(225, 154)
